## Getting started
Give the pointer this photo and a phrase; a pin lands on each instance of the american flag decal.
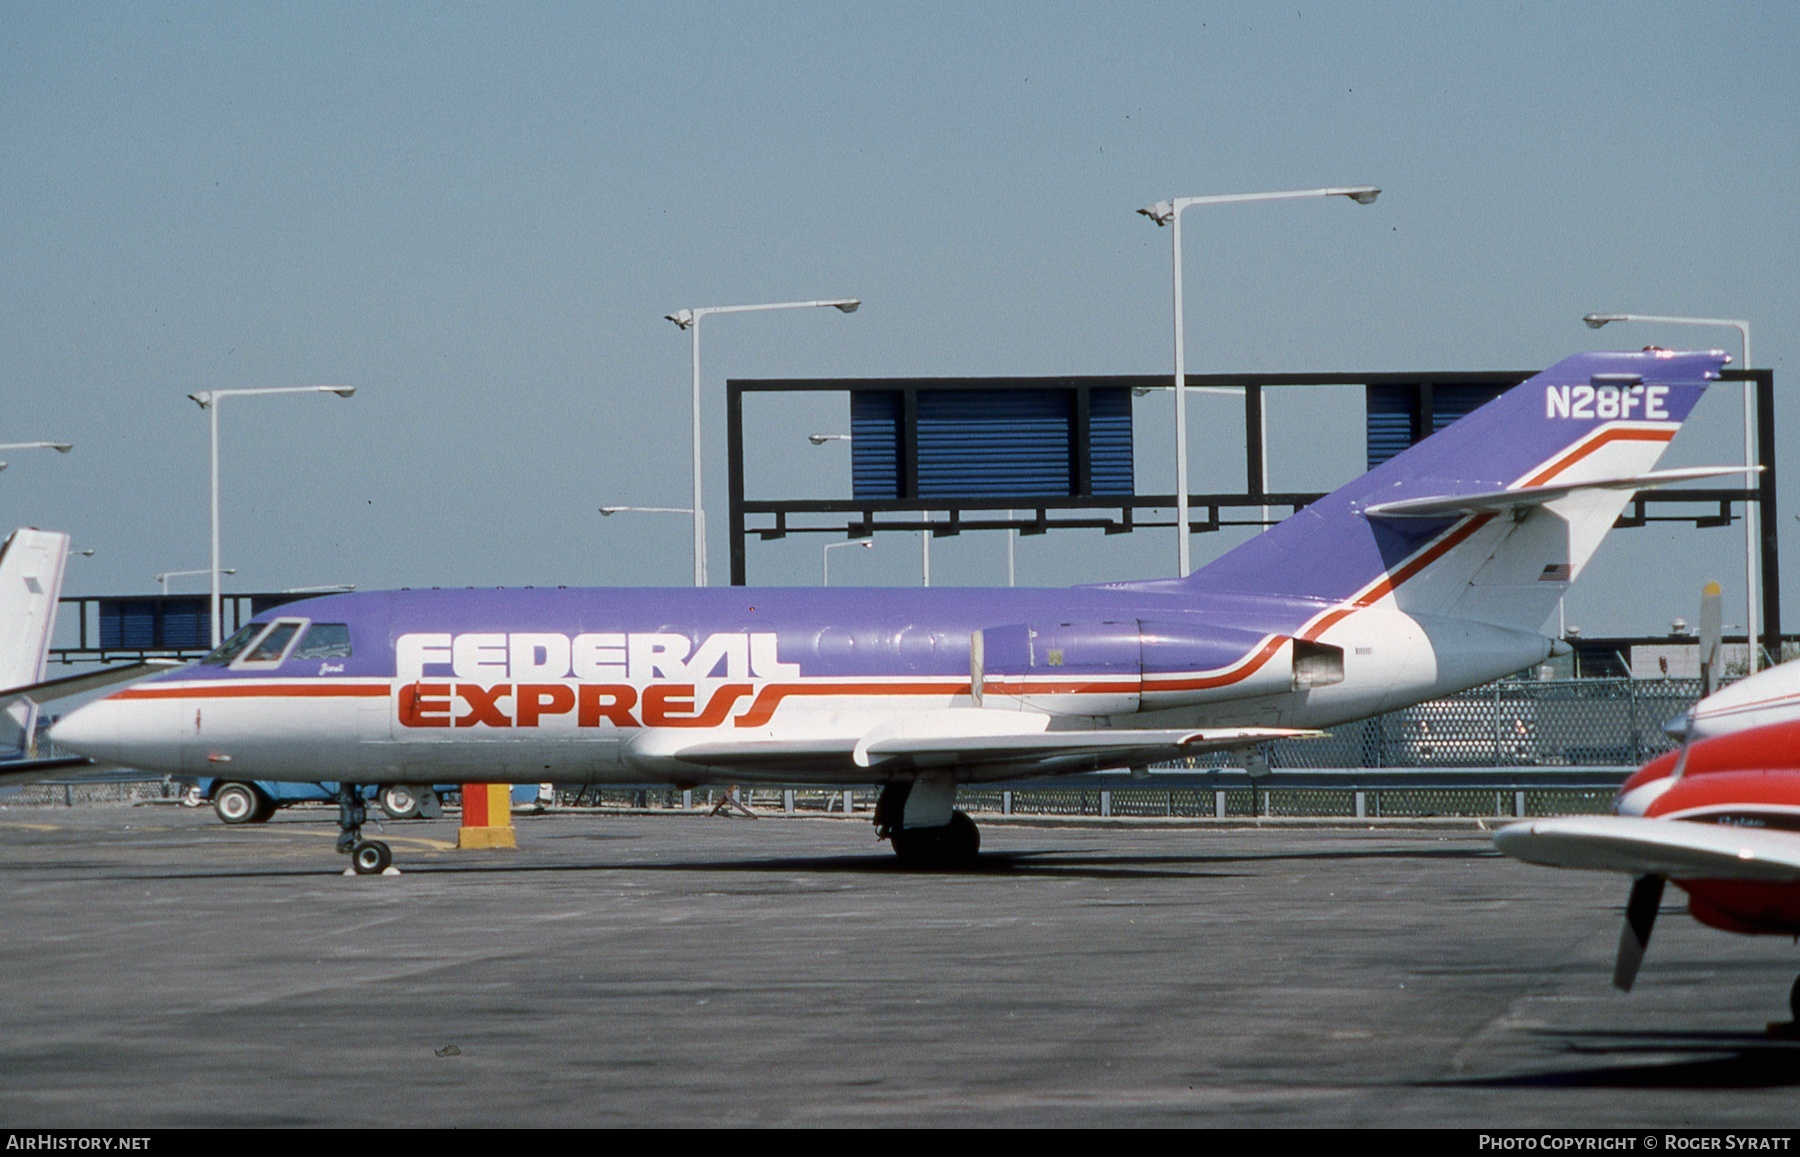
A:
(1556, 572)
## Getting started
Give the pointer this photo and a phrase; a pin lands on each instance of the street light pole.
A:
(825, 554)
(1169, 213)
(689, 319)
(209, 400)
(167, 575)
(1751, 514)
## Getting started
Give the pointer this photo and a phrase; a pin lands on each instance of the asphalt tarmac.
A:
(160, 969)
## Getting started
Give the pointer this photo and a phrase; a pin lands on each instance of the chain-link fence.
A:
(1609, 725)
(1511, 723)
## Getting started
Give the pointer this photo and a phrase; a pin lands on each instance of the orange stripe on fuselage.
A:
(1387, 584)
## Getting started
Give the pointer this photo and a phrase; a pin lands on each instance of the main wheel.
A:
(956, 845)
(371, 858)
(238, 803)
(400, 801)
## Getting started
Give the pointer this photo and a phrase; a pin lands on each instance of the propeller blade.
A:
(1687, 737)
(1640, 918)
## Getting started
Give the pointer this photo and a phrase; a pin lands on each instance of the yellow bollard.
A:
(486, 817)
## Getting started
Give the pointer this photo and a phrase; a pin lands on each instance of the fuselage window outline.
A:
(323, 641)
(254, 658)
(236, 645)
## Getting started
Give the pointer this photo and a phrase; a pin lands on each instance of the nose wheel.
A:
(367, 857)
(371, 858)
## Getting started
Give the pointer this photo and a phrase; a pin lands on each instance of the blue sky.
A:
(478, 214)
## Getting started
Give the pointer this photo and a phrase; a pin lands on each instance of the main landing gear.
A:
(367, 857)
(925, 830)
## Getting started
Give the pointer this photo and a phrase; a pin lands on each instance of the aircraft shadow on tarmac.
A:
(1712, 1060)
(1016, 864)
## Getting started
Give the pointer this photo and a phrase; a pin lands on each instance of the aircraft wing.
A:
(1114, 747)
(1014, 743)
(1495, 500)
(53, 689)
(1678, 849)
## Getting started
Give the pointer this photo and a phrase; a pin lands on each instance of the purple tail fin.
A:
(1590, 417)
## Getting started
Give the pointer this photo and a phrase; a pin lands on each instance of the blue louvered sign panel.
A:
(875, 436)
(179, 621)
(1019, 443)
(1393, 413)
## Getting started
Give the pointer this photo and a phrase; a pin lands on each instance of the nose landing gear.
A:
(367, 857)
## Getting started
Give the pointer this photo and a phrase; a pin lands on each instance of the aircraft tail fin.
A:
(1493, 517)
(31, 575)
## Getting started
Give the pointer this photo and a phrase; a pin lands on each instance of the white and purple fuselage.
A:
(1332, 616)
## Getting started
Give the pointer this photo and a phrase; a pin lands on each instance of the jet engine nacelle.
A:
(1117, 667)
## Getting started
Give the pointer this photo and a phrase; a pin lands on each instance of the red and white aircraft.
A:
(1720, 816)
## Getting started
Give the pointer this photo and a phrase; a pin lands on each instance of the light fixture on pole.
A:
(59, 447)
(209, 400)
(825, 555)
(1169, 213)
(1751, 618)
(164, 577)
(689, 319)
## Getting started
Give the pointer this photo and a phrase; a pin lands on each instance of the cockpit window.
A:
(233, 647)
(324, 641)
(270, 646)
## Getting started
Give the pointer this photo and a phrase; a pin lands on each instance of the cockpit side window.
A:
(269, 648)
(233, 647)
(324, 641)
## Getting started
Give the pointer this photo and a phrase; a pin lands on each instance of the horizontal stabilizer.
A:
(52, 689)
(1451, 505)
(18, 772)
(1678, 849)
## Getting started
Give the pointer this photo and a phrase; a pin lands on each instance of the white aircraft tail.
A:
(31, 576)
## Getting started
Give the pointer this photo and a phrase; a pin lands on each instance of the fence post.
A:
(1637, 753)
(1518, 805)
(1106, 803)
(1497, 762)
(787, 801)
(1361, 805)
(1219, 804)
(1006, 803)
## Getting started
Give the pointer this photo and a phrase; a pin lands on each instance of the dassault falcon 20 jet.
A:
(1430, 574)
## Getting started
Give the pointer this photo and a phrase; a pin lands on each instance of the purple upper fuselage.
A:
(1321, 557)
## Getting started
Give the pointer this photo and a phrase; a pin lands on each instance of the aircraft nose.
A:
(1637, 801)
(92, 731)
